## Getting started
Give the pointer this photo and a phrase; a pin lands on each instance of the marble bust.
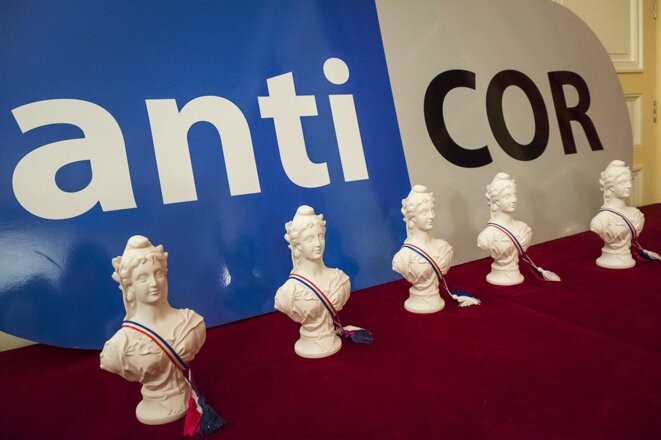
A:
(306, 235)
(615, 219)
(141, 272)
(419, 213)
(501, 197)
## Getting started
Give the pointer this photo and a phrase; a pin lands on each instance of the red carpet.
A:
(580, 359)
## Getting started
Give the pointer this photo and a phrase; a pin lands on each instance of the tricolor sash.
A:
(355, 334)
(464, 299)
(640, 254)
(200, 416)
(546, 275)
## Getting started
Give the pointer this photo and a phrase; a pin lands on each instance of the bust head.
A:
(141, 272)
(501, 194)
(305, 234)
(418, 209)
(615, 181)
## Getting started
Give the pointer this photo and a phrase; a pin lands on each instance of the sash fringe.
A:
(357, 334)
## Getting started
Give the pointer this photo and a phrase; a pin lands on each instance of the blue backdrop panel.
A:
(227, 253)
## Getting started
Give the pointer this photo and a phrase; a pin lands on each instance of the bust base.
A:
(609, 260)
(424, 304)
(312, 349)
(504, 278)
(153, 412)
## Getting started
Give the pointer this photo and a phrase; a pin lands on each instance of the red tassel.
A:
(193, 416)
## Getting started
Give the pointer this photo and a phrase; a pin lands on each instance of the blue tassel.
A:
(358, 335)
(646, 255)
(546, 275)
(465, 299)
(210, 421)
(362, 337)
(461, 293)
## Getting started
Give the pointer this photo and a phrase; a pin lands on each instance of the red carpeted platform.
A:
(580, 359)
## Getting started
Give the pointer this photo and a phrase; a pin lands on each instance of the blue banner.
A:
(202, 125)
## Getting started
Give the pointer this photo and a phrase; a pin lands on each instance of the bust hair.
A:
(138, 251)
(500, 183)
(418, 196)
(304, 219)
(607, 178)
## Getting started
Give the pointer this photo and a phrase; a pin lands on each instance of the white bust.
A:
(615, 183)
(142, 276)
(501, 197)
(419, 212)
(306, 235)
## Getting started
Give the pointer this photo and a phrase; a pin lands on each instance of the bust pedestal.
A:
(501, 276)
(316, 346)
(615, 258)
(417, 303)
